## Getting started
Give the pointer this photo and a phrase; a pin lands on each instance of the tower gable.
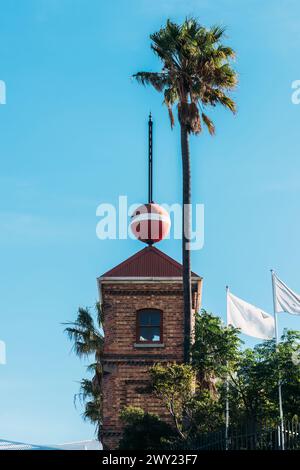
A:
(147, 263)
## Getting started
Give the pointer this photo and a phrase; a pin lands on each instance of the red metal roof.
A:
(149, 262)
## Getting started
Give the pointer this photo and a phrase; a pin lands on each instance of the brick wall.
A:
(126, 365)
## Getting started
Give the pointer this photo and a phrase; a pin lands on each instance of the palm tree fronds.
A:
(196, 69)
(87, 339)
(226, 51)
(217, 32)
(100, 315)
(209, 124)
(157, 80)
(171, 97)
(171, 116)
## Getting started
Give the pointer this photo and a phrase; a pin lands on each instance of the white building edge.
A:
(92, 444)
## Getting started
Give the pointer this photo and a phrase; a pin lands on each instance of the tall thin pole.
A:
(281, 427)
(227, 411)
(150, 159)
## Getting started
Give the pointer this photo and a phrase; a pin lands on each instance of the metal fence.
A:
(246, 437)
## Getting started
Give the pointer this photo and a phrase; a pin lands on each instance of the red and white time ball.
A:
(150, 223)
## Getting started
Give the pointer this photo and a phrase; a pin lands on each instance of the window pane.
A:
(149, 333)
(149, 317)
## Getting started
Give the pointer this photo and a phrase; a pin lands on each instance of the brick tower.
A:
(143, 325)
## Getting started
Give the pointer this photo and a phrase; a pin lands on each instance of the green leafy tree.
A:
(174, 384)
(191, 392)
(215, 351)
(193, 410)
(144, 431)
(86, 335)
(196, 408)
(289, 367)
(196, 73)
(254, 385)
(250, 389)
(206, 414)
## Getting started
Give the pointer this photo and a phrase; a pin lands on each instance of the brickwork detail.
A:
(125, 365)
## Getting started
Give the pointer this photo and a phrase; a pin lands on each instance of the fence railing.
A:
(292, 435)
(246, 437)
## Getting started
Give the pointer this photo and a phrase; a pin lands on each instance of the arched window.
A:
(149, 326)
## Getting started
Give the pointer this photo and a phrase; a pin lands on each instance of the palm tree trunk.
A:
(186, 238)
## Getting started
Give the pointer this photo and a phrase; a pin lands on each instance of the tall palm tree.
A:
(196, 73)
(87, 338)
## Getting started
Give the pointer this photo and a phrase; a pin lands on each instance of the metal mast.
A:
(150, 155)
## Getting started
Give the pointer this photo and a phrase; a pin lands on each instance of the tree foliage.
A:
(196, 72)
(215, 351)
(87, 338)
(174, 385)
(253, 391)
(144, 431)
(195, 407)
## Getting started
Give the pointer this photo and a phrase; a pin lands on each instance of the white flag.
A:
(285, 300)
(251, 320)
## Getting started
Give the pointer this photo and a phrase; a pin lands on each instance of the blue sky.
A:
(73, 134)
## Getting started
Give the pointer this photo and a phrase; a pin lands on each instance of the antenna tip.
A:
(150, 116)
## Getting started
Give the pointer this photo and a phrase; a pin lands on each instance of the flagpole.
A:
(281, 427)
(227, 386)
